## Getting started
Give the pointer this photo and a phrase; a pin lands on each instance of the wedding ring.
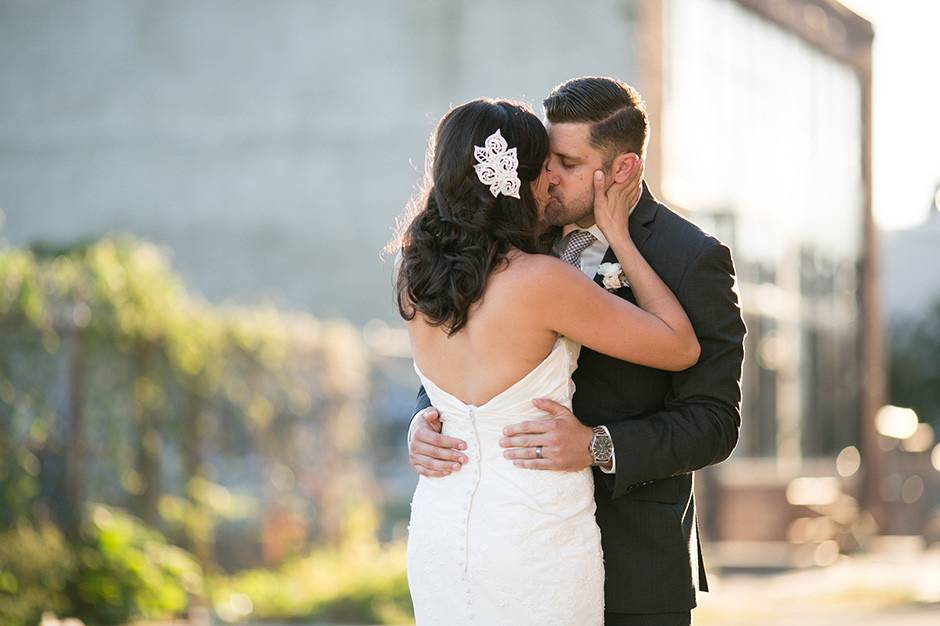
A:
(538, 452)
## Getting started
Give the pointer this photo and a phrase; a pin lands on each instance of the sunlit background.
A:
(204, 384)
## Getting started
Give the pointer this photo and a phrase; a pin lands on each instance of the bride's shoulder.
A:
(530, 271)
(527, 262)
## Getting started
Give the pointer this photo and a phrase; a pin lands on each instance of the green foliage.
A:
(353, 585)
(356, 582)
(158, 367)
(19, 484)
(117, 571)
(103, 351)
(127, 570)
(35, 567)
(915, 367)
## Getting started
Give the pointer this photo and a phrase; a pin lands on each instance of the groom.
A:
(661, 425)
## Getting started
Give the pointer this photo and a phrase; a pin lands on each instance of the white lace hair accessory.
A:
(496, 166)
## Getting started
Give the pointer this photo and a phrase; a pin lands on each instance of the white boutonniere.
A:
(614, 278)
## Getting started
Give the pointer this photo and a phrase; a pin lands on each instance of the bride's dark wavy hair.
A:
(460, 233)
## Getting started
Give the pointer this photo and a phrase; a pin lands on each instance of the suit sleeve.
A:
(702, 414)
(421, 402)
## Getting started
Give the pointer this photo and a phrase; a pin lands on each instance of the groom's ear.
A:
(623, 166)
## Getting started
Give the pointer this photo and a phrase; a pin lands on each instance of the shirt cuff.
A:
(613, 456)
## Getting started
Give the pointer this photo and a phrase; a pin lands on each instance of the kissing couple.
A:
(536, 262)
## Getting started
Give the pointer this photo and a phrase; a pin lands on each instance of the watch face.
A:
(601, 448)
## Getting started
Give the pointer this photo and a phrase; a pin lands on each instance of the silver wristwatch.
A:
(602, 448)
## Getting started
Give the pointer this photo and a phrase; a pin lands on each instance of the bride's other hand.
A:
(612, 204)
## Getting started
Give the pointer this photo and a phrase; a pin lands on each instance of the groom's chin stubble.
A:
(555, 216)
(560, 217)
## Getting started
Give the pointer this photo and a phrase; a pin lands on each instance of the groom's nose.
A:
(553, 179)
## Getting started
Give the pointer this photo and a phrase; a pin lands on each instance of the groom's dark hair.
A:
(614, 109)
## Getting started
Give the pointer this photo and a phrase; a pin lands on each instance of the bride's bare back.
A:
(526, 304)
(503, 340)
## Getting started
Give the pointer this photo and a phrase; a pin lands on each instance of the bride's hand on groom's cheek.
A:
(429, 452)
(635, 183)
(621, 196)
(612, 203)
(564, 440)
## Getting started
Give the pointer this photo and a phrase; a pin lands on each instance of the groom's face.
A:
(572, 162)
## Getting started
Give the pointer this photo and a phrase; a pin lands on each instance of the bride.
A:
(493, 324)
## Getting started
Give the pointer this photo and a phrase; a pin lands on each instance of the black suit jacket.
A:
(664, 425)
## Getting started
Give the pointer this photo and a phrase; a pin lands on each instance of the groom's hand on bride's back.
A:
(563, 442)
(429, 452)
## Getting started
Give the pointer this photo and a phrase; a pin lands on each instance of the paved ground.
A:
(890, 589)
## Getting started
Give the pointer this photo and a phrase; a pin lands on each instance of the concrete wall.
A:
(268, 145)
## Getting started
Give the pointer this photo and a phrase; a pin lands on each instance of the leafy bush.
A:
(127, 570)
(365, 584)
(110, 373)
(118, 386)
(35, 568)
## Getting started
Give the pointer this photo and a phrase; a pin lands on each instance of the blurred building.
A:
(763, 112)
(911, 256)
(270, 147)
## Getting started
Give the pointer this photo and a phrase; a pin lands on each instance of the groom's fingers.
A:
(542, 464)
(429, 472)
(551, 407)
(535, 427)
(433, 418)
(434, 452)
(538, 427)
(526, 441)
(528, 453)
(429, 463)
(428, 436)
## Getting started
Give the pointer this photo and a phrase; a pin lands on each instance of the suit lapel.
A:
(643, 215)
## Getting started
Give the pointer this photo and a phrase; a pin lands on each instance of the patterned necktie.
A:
(578, 242)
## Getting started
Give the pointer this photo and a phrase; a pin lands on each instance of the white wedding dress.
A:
(494, 544)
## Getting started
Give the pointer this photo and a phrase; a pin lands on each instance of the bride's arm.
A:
(571, 304)
(655, 334)
(611, 212)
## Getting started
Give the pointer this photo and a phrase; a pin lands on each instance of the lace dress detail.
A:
(496, 544)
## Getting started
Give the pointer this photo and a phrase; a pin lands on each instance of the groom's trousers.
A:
(683, 618)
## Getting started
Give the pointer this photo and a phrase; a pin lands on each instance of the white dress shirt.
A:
(593, 255)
